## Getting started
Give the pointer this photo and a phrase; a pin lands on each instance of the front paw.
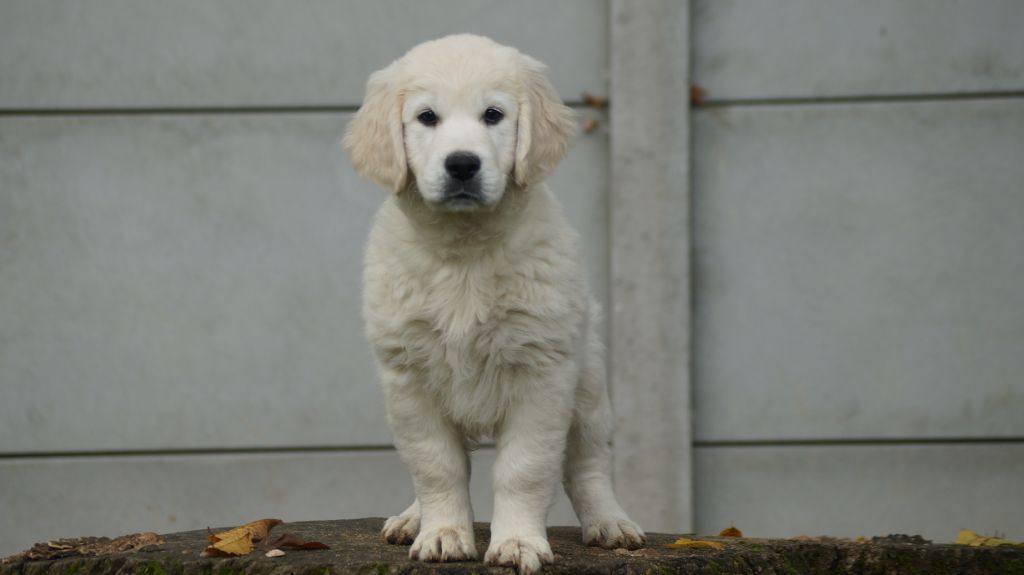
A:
(444, 544)
(613, 532)
(527, 554)
(401, 529)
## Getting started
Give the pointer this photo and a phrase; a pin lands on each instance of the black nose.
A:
(462, 165)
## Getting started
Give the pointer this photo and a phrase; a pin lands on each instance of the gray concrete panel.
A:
(753, 49)
(859, 271)
(861, 491)
(193, 53)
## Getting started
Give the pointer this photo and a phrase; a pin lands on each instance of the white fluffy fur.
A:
(478, 315)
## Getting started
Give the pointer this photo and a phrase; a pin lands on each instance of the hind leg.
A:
(587, 475)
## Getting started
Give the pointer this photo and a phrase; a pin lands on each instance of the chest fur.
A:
(477, 336)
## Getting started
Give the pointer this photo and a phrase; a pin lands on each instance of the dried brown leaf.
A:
(212, 551)
(595, 101)
(292, 541)
(258, 529)
(697, 95)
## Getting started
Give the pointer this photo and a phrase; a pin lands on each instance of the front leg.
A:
(531, 446)
(402, 528)
(435, 454)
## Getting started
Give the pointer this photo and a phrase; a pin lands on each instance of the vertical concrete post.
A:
(649, 352)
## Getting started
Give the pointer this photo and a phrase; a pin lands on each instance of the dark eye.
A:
(492, 116)
(427, 118)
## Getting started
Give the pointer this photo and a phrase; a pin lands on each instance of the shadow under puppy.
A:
(475, 303)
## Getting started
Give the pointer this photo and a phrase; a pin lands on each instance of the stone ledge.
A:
(356, 547)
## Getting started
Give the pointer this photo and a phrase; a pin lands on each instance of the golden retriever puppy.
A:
(475, 303)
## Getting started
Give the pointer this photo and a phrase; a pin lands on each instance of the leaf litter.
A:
(89, 547)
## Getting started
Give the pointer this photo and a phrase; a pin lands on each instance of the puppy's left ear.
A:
(375, 136)
(545, 125)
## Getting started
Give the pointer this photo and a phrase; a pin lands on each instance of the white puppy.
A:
(475, 302)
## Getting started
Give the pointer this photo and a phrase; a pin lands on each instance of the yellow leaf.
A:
(684, 543)
(239, 543)
(968, 537)
(731, 532)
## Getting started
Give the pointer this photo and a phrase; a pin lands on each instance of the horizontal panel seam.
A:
(179, 452)
(858, 99)
(866, 441)
(197, 451)
(348, 109)
(199, 110)
(179, 111)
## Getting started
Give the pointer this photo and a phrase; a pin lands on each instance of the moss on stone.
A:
(151, 567)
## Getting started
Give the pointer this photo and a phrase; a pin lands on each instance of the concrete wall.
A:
(180, 251)
(858, 264)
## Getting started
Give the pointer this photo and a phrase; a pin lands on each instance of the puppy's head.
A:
(459, 120)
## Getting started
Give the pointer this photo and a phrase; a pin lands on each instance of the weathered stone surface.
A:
(356, 547)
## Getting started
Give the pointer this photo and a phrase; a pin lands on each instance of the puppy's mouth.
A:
(462, 195)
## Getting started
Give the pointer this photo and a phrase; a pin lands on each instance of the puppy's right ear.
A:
(375, 135)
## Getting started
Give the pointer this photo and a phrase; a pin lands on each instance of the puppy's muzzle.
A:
(463, 185)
